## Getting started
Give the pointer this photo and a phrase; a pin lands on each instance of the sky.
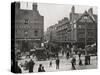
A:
(54, 12)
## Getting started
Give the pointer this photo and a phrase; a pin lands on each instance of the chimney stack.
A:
(17, 5)
(73, 9)
(35, 6)
(90, 11)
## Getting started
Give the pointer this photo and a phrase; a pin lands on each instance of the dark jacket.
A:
(39, 69)
(17, 69)
(31, 65)
(57, 61)
(73, 61)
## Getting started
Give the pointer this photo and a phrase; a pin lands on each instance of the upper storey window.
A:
(36, 33)
(26, 21)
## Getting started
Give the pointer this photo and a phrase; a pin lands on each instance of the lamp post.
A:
(85, 18)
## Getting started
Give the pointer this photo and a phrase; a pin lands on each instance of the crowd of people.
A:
(29, 65)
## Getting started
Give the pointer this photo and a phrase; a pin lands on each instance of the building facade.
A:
(29, 27)
(79, 29)
(83, 27)
(62, 31)
(51, 33)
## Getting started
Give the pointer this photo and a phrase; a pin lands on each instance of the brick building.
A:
(29, 27)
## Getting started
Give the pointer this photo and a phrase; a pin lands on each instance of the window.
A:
(90, 33)
(26, 21)
(35, 32)
(85, 17)
(90, 39)
(74, 25)
(26, 33)
(80, 26)
(81, 39)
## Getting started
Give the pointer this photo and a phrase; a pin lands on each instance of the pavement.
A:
(65, 64)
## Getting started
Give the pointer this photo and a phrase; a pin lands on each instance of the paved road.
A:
(64, 64)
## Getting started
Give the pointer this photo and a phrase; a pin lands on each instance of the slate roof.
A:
(89, 19)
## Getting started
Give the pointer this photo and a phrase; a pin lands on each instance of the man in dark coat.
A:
(80, 62)
(73, 62)
(43, 70)
(17, 68)
(67, 56)
(31, 65)
(57, 63)
(40, 68)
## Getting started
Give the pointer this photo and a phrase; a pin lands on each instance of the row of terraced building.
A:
(79, 29)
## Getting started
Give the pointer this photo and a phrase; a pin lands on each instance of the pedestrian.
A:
(40, 68)
(50, 65)
(79, 55)
(26, 65)
(73, 62)
(57, 54)
(88, 58)
(43, 70)
(57, 63)
(62, 52)
(80, 62)
(31, 65)
(67, 55)
(17, 68)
